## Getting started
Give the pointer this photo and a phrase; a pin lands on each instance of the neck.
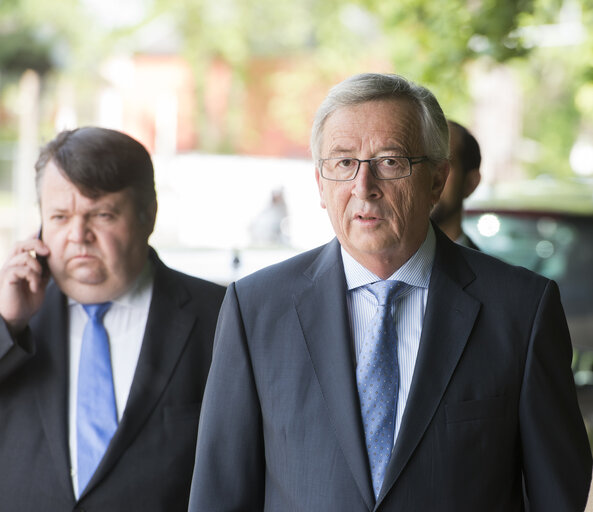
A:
(452, 226)
(385, 263)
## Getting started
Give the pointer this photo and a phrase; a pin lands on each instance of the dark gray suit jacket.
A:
(492, 398)
(148, 465)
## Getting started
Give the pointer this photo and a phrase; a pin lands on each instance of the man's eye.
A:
(346, 163)
(389, 162)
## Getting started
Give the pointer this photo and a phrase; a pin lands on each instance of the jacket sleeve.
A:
(555, 448)
(14, 353)
(229, 468)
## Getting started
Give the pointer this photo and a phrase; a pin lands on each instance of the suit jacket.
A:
(148, 464)
(467, 241)
(492, 400)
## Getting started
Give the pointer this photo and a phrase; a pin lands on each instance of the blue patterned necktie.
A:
(96, 415)
(377, 377)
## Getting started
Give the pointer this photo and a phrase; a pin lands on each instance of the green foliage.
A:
(321, 41)
(20, 51)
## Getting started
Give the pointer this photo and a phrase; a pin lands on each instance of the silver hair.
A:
(377, 86)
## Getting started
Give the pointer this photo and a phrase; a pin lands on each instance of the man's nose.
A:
(79, 231)
(365, 185)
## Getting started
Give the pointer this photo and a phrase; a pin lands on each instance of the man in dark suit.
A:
(464, 177)
(475, 391)
(74, 436)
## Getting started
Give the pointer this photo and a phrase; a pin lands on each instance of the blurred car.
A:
(546, 226)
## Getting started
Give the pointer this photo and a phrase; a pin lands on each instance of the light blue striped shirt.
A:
(408, 310)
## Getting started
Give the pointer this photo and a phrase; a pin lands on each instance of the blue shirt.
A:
(408, 310)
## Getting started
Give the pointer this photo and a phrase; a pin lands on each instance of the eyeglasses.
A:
(382, 167)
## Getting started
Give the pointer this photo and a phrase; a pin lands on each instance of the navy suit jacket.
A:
(148, 464)
(492, 401)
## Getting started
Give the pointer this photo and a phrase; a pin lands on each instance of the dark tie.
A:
(96, 415)
(377, 377)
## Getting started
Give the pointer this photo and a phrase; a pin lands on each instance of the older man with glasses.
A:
(391, 369)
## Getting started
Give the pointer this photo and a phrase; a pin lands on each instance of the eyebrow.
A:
(107, 205)
(385, 151)
(110, 207)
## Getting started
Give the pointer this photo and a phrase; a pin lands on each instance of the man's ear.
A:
(471, 182)
(320, 187)
(440, 172)
(148, 217)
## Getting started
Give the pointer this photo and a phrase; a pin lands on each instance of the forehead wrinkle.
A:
(378, 141)
(384, 149)
(72, 199)
(365, 131)
(341, 150)
(110, 201)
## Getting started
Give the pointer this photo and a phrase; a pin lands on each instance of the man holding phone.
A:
(103, 360)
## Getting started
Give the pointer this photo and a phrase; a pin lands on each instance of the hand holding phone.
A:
(42, 259)
(22, 285)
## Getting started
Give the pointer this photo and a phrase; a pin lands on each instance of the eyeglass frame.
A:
(371, 161)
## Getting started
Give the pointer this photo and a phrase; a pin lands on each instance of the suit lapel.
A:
(52, 396)
(448, 321)
(167, 330)
(323, 315)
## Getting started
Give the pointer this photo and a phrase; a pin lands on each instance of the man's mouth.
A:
(82, 257)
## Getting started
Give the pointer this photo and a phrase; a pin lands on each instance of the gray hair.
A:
(375, 86)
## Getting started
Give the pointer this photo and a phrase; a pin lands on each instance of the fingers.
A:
(23, 265)
(22, 285)
(34, 245)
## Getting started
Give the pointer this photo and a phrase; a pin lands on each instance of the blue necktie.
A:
(96, 418)
(377, 377)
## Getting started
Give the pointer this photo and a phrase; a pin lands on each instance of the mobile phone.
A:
(42, 259)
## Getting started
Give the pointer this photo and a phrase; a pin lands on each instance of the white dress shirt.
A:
(408, 310)
(125, 322)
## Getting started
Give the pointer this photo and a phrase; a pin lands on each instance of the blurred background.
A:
(223, 92)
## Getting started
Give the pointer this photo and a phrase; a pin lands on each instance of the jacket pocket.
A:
(475, 410)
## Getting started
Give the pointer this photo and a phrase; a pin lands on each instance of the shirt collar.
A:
(415, 272)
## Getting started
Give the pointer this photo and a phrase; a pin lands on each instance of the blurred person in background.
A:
(464, 177)
(391, 369)
(270, 225)
(104, 351)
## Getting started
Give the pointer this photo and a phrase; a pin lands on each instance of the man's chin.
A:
(80, 278)
(88, 276)
(85, 270)
(87, 289)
